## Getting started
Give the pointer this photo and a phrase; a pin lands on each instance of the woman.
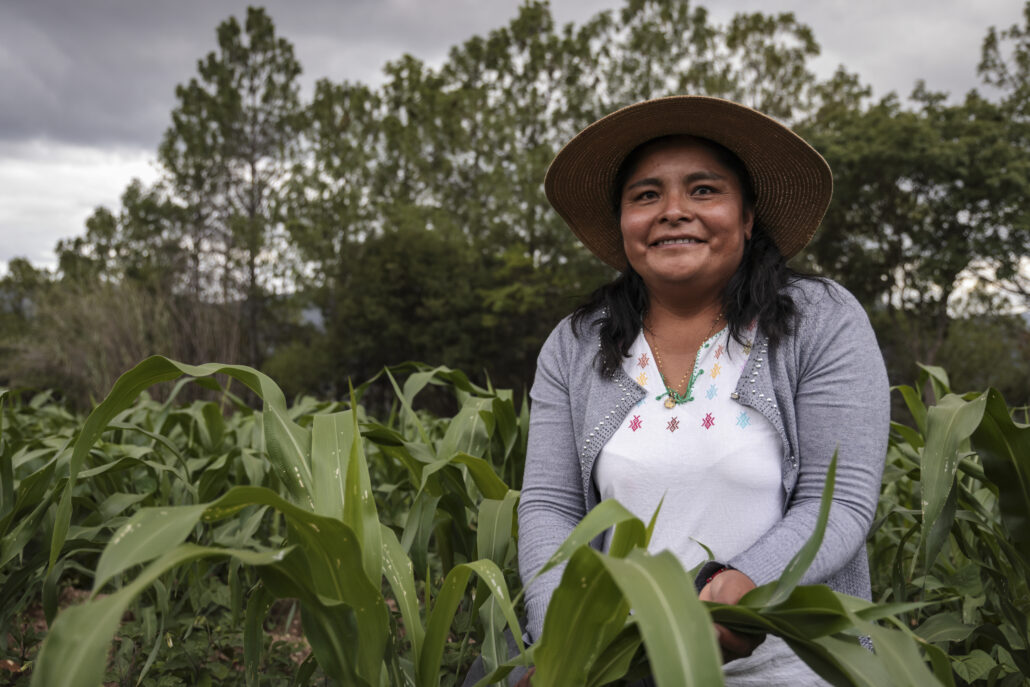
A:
(708, 373)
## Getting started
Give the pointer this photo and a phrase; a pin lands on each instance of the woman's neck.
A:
(681, 321)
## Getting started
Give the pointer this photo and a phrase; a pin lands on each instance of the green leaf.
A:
(901, 657)
(330, 456)
(469, 431)
(841, 661)
(586, 612)
(780, 591)
(493, 531)
(400, 574)
(675, 626)
(258, 605)
(938, 379)
(616, 658)
(359, 508)
(810, 612)
(606, 514)
(974, 666)
(911, 436)
(287, 443)
(1004, 447)
(6, 467)
(915, 406)
(944, 627)
(948, 424)
(74, 653)
(148, 534)
(487, 481)
(494, 647)
(450, 595)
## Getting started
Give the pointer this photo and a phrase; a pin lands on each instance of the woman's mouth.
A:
(674, 242)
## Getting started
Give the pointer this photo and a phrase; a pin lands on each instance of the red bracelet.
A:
(718, 572)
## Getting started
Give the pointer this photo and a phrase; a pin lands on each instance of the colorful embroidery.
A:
(642, 379)
(718, 352)
(635, 423)
(712, 391)
(643, 360)
(743, 420)
(708, 421)
(673, 425)
(716, 370)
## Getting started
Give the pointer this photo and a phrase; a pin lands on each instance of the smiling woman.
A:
(708, 377)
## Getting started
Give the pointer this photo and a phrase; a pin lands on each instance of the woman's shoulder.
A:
(577, 329)
(820, 296)
(828, 315)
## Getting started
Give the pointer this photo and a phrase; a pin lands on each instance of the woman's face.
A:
(683, 216)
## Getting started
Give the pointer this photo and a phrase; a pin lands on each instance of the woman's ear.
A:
(749, 223)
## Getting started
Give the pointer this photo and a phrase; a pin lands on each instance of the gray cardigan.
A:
(823, 388)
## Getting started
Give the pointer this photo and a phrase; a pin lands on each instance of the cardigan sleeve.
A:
(841, 402)
(552, 501)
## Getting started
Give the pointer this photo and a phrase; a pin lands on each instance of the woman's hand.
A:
(726, 588)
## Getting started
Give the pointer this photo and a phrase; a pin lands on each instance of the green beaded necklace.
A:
(671, 396)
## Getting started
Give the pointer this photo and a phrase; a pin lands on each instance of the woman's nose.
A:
(676, 208)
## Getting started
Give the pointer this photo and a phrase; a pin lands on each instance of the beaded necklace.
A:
(672, 397)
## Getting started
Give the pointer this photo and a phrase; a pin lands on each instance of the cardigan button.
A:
(734, 395)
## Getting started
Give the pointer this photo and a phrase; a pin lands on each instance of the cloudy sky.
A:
(86, 86)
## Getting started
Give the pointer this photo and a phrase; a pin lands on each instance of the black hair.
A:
(756, 292)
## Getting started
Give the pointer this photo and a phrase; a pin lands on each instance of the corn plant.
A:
(376, 529)
(336, 550)
(954, 529)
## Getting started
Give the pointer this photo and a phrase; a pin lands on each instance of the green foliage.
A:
(422, 196)
(952, 532)
(193, 521)
(922, 198)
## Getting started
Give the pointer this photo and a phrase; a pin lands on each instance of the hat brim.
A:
(792, 182)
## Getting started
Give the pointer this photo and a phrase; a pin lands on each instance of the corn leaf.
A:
(948, 425)
(74, 653)
(778, 592)
(675, 626)
(586, 612)
(287, 443)
(447, 600)
(1004, 447)
(148, 534)
(401, 575)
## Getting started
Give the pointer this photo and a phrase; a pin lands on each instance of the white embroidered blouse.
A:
(715, 462)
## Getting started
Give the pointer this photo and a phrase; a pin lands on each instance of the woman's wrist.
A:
(707, 572)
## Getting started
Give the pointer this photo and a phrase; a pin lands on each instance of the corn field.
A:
(186, 532)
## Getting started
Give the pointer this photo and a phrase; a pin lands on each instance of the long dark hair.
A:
(755, 293)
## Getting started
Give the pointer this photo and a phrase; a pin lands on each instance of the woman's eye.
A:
(647, 195)
(703, 190)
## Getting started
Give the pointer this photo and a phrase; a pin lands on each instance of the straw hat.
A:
(792, 182)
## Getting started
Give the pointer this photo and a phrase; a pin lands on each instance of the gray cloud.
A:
(103, 72)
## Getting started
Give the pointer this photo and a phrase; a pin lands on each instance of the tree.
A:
(922, 197)
(227, 157)
(1005, 65)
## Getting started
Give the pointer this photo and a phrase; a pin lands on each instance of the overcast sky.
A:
(86, 86)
